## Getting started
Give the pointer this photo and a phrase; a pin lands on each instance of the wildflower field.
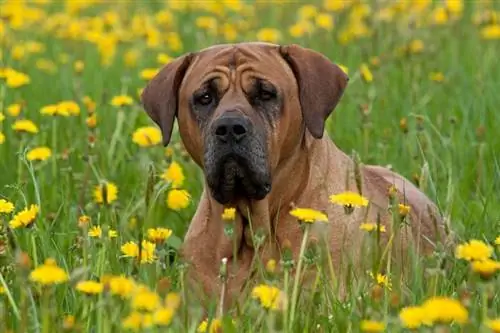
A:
(93, 208)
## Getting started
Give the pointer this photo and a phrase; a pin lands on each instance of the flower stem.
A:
(46, 312)
(297, 275)
(285, 286)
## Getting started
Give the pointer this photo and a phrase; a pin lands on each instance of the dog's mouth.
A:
(234, 178)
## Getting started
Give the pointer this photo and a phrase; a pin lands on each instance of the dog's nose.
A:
(232, 128)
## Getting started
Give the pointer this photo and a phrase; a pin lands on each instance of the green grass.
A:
(461, 167)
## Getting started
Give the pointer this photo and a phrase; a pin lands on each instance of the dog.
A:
(252, 117)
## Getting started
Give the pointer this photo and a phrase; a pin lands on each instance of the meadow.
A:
(84, 177)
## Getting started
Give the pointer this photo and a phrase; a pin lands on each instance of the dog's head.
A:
(243, 108)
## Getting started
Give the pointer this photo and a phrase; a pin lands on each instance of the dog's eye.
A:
(204, 99)
(266, 92)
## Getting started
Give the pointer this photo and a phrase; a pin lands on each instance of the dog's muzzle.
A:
(236, 164)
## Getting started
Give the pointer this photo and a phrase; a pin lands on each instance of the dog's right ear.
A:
(160, 97)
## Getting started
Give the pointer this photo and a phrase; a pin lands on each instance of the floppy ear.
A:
(321, 84)
(160, 96)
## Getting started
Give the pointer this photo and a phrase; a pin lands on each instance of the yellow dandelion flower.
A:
(24, 218)
(112, 233)
(24, 125)
(349, 199)
(131, 250)
(372, 227)
(39, 154)
(202, 328)
(91, 121)
(130, 58)
(404, 210)
(229, 214)
(269, 297)
(445, 310)
(473, 250)
(68, 322)
(416, 46)
(67, 108)
(147, 136)
(493, 324)
(148, 73)
(163, 316)
(105, 193)
(372, 326)
(49, 273)
(14, 109)
(121, 286)
(17, 80)
(324, 21)
(145, 300)
(207, 23)
(163, 58)
(137, 321)
(269, 35)
(307, 12)
(413, 317)
(90, 287)
(122, 100)
(83, 221)
(95, 232)
(436, 77)
(271, 266)
(491, 31)
(159, 235)
(497, 241)
(79, 66)
(49, 110)
(485, 268)
(178, 199)
(172, 300)
(2, 117)
(365, 72)
(308, 215)
(215, 326)
(439, 15)
(174, 174)
(2, 138)
(382, 280)
(6, 207)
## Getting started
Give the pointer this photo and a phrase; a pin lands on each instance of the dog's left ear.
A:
(321, 84)
(160, 97)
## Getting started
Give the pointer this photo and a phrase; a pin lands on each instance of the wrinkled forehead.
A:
(262, 59)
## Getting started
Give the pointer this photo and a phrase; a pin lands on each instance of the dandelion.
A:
(163, 58)
(14, 109)
(79, 66)
(404, 210)
(372, 326)
(39, 154)
(215, 326)
(159, 235)
(131, 250)
(105, 193)
(269, 35)
(148, 73)
(137, 321)
(112, 233)
(122, 100)
(493, 324)
(49, 273)
(365, 72)
(229, 214)
(147, 136)
(24, 125)
(271, 266)
(445, 310)
(382, 280)
(6, 207)
(473, 250)
(95, 232)
(121, 286)
(436, 77)
(83, 221)
(2, 138)
(491, 31)
(485, 268)
(178, 199)
(308, 215)
(174, 175)
(372, 227)
(172, 300)
(349, 200)
(163, 316)
(413, 317)
(2, 117)
(17, 80)
(68, 322)
(90, 287)
(91, 121)
(24, 218)
(269, 297)
(324, 21)
(145, 300)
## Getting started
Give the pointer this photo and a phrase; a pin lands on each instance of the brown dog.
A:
(252, 116)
